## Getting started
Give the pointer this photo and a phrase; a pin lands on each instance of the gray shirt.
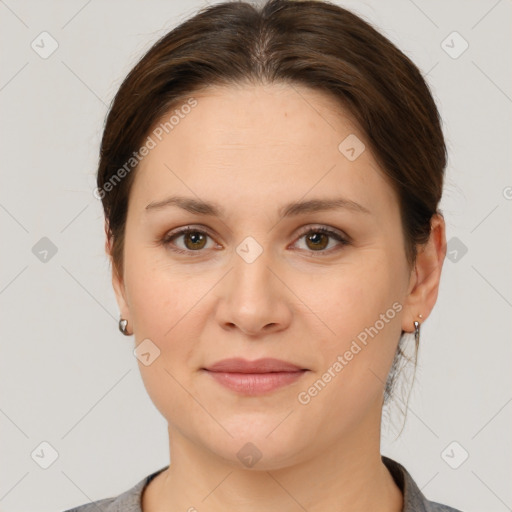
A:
(130, 500)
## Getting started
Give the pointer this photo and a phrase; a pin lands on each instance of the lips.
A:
(254, 377)
(265, 365)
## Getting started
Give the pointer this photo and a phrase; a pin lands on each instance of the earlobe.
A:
(120, 291)
(427, 274)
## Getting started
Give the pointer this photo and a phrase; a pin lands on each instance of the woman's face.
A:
(258, 278)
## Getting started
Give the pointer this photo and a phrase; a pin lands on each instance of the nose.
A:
(254, 298)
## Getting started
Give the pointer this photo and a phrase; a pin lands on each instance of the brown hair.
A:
(312, 43)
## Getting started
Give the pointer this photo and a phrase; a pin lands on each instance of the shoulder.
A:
(128, 501)
(438, 507)
(414, 499)
(104, 504)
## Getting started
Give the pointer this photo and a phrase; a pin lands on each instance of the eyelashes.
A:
(312, 234)
(168, 240)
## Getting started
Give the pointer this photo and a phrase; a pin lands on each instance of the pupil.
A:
(315, 238)
(195, 238)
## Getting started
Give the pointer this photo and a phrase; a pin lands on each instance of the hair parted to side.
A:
(311, 43)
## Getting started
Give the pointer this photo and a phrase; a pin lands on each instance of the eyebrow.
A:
(200, 207)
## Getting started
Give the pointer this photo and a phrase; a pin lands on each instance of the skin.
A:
(253, 149)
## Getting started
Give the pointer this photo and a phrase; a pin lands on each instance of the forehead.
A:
(257, 114)
(268, 139)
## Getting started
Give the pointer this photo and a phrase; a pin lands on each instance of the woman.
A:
(271, 179)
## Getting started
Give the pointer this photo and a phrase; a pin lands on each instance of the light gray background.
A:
(69, 378)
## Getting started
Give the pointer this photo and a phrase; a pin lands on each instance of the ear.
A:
(426, 275)
(117, 281)
(120, 292)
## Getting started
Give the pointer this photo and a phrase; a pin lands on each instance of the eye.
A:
(194, 240)
(317, 239)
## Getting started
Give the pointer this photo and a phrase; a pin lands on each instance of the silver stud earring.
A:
(123, 324)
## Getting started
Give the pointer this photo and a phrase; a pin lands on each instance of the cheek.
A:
(363, 308)
(358, 295)
(161, 296)
(163, 307)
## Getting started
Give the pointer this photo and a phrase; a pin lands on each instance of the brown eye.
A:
(317, 240)
(194, 240)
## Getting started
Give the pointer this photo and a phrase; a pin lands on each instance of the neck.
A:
(349, 476)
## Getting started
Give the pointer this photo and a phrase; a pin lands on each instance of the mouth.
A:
(254, 377)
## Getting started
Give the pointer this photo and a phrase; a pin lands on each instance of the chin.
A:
(254, 449)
